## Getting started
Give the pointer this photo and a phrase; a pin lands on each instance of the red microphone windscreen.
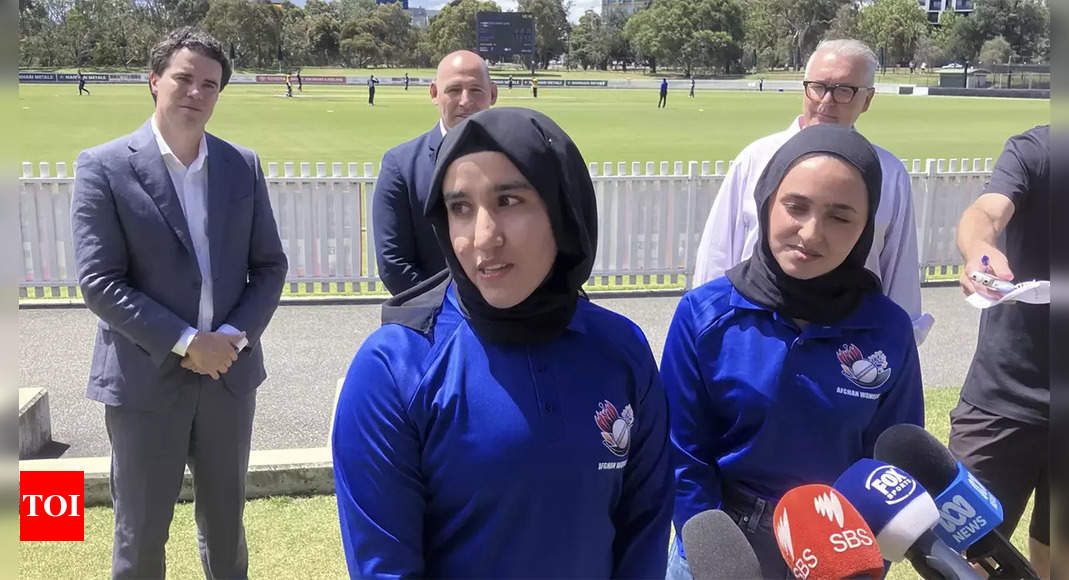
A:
(823, 537)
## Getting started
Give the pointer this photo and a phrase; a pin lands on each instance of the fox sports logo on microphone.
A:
(892, 483)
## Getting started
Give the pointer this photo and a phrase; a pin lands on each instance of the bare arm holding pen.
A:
(979, 228)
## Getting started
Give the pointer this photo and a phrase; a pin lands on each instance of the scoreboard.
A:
(500, 35)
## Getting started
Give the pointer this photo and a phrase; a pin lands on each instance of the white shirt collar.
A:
(168, 153)
(796, 126)
(441, 126)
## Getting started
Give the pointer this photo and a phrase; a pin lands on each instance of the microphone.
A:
(717, 549)
(901, 513)
(822, 537)
(968, 513)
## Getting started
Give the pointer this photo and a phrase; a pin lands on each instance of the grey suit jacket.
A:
(138, 271)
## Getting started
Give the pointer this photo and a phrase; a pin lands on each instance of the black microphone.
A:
(717, 549)
(969, 513)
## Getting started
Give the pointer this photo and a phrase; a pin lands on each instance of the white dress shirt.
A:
(191, 185)
(731, 231)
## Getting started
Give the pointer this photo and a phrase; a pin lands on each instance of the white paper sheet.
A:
(1034, 292)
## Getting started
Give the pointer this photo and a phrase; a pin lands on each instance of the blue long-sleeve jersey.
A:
(459, 458)
(759, 404)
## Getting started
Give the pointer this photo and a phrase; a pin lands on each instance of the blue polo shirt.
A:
(459, 458)
(759, 404)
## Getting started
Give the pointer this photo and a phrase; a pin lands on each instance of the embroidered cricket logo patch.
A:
(866, 372)
(615, 427)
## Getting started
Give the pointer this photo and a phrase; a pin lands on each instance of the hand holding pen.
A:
(989, 274)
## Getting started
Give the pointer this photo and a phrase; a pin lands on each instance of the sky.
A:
(578, 6)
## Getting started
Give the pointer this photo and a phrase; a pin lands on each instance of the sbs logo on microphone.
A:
(850, 539)
(827, 504)
(783, 535)
(892, 483)
(805, 564)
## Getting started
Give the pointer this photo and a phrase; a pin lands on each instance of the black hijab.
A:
(551, 162)
(833, 296)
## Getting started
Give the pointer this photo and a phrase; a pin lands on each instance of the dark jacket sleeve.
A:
(267, 266)
(103, 267)
(395, 241)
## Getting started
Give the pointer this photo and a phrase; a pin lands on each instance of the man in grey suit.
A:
(179, 256)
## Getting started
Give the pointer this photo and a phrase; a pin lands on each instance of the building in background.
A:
(421, 17)
(628, 6)
(935, 7)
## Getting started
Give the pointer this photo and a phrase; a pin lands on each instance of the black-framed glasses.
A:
(840, 93)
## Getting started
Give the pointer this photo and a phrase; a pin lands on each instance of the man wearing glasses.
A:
(838, 88)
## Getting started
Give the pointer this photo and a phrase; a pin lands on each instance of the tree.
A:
(396, 32)
(323, 30)
(762, 37)
(586, 42)
(996, 51)
(76, 35)
(40, 32)
(646, 35)
(250, 28)
(845, 24)
(688, 33)
(895, 26)
(382, 37)
(355, 9)
(956, 37)
(454, 27)
(929, 52)
(551, 28)
(802, 23)
(166, 15)
(296, 48)
(618, 49)
(708, 49)
(1022, 23)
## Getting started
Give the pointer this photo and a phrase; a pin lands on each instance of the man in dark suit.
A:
(405, 247)
(179, 256)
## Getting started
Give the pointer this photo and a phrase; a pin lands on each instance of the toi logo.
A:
(52, 506)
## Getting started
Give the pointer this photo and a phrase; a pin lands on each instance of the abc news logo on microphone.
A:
(52, 506)
(967, 510)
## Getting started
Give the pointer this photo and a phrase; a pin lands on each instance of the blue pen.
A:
(984, 260)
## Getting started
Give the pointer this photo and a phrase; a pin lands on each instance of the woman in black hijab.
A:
(785, 371)
(499, 424)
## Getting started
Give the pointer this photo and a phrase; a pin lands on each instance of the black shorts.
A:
(1010, 458)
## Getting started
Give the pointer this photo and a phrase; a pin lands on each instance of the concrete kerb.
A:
(272, 472)
(35, 421)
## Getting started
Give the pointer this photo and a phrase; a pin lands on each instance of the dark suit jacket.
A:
(405, 247)
(138, 271)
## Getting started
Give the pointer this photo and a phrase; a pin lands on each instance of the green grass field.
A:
(336, 124)
(899, 75)
(299, 538)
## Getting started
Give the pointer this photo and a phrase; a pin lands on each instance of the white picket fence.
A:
(650, 220)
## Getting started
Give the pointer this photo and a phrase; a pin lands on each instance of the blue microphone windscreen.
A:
(893, 503)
